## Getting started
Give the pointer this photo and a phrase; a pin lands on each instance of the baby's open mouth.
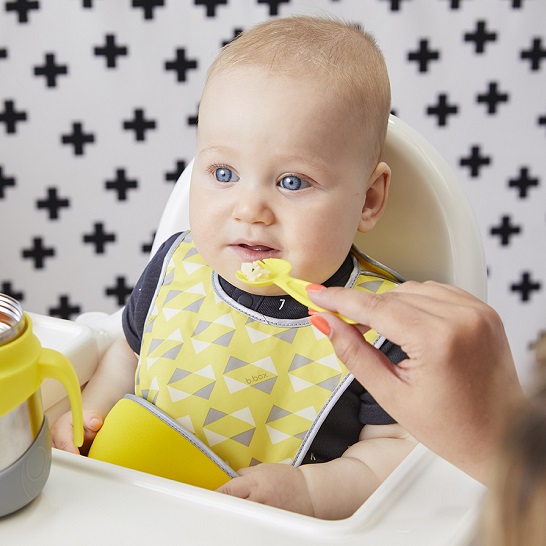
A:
(251, 253)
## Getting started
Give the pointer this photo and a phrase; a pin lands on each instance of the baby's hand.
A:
(62, 433)
(279, 485)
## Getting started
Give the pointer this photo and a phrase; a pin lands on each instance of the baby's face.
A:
(279, 173)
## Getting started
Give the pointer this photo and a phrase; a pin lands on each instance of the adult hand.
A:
(458, 388)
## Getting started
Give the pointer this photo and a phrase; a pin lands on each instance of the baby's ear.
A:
(376, 197)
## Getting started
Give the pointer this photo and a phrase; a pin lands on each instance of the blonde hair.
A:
(346, 57)
(515, 513)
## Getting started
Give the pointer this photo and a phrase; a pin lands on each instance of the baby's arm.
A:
(331, 490)
(113, 378)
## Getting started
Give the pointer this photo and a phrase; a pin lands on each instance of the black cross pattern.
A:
(5, 182)
(493, 97)
(51, 70)
(395, 5)
(193, 120)
(139, 124)
(65, 309)
(211, 5)
(78, 138)
(236, 33)
(442, 109)
(475, 161)
(7, 288)
(516, 4)
(38, 252)
(3, 53)
(454, 4)
(148, 7)
(523, 182)
(147, 247)
(11, 117)
(423, 55)
(121, 184)
(480, 37)
(99, 238)
(542, 120)
(505, 230)
(111, 51)
(121, 291)
(23, 8)
(174, 175)
(274, 5)
(180, 64)
(526, 286)
(53, 203)
(536, 54)
(87, 4)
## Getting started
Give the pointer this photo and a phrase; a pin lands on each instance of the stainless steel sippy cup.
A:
(25, 443)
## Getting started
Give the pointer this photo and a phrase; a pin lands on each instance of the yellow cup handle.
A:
(55, 365)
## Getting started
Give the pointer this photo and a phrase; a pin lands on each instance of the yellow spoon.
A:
(278, 272)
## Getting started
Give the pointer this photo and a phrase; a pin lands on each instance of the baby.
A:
(292, 122)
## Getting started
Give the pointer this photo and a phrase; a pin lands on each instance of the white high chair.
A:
(428, 232)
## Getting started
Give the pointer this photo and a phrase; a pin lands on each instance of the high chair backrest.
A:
(428, 230)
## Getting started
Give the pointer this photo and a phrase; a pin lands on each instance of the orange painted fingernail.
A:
(321, 324)
(315, 287)
(311, 312)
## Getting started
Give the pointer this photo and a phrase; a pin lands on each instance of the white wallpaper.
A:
(98, 100)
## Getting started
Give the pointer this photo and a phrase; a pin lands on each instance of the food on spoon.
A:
(253, 271)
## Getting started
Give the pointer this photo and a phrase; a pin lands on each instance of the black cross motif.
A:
(38, 252)
(454, 4)
(65, 310)
(526, 286)
(493, 97)
(120, 290)
(542, 120)
(517, 4)
(273, 5)
(50, 70)
(236, 33)
(423, 55)
(3, 53)
(121, 184)
(523, 182)
(211, 5)
(139, 124)
(110, 51)
(5, 182)
(175, 174)
(99, 238)
(180, 64)
(148, 6)
(147, 247)
(7, 288)
(395, 4)
(53, 203)
(78, 138)
(10, 116)
(87, 4)
(475, 161)
(505, 230)
(536, 54)
(193, 120)
(442, 109)
(480, 36)
(23, 8)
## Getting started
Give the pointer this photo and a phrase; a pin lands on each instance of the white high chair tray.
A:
(425, 501)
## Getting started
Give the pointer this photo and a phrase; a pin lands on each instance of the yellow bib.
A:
(253, 388)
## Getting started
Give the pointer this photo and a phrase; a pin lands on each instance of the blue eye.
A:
(223, 174)
(293, 183)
